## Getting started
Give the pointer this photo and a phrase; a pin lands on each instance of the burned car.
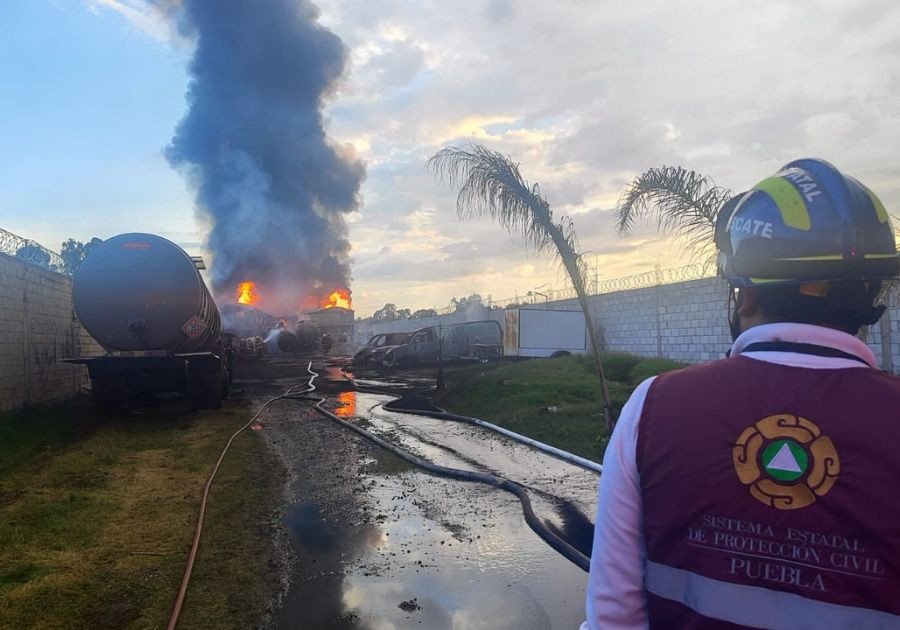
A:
(478, 341)
(373, 352)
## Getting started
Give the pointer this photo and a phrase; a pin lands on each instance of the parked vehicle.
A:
(143, 299)
(373, 351)
(468, 341)
(543, 333)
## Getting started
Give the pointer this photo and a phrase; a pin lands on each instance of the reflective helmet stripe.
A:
(826, 257)
(765, 280)
(790, 204)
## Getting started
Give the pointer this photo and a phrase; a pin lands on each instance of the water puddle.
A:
(559, 490)
(415, 550)
(460, 550)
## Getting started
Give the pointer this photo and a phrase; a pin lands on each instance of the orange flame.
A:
(338, 297)
(347, 400)
(247, 294)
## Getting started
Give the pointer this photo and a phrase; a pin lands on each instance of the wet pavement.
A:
(376, 543)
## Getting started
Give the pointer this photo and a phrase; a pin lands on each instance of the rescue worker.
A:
(231, 355)
(763, 490)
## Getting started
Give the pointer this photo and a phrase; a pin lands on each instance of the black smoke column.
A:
(253, 146)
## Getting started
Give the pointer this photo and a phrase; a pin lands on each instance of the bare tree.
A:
(490, 184)
(685, 204)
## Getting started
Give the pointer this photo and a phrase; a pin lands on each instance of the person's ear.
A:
(748, 303)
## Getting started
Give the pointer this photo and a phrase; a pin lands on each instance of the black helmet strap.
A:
(874, 315)
(735, 301)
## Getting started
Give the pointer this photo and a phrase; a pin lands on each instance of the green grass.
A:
(97, 514)
(557, 401)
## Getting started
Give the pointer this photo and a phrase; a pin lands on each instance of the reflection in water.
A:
(462, 551)
(376, 539)
(347, 400)
(326, 544)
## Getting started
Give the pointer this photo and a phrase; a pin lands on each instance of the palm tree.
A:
(685, 203)
(490, 184)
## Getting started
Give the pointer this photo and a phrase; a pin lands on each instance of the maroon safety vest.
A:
(771, 497)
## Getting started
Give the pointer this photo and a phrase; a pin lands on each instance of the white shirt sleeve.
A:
(615, 593)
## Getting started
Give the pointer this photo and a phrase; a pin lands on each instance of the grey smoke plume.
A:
(253, 146)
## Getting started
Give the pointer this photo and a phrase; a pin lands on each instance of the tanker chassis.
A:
(142, 298)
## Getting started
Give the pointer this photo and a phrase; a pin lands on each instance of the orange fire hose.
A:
(186, 579)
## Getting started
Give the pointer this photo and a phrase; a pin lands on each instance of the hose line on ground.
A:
(195, 545)
(550, 537)
(565, 456)
(441, 414)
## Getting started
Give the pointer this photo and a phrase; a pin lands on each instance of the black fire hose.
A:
(557, 543)
(441, 414)
(551, 538)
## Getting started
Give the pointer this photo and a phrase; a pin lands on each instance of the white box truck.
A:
(543, 333)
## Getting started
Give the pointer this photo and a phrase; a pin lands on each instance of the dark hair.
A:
(847, 305)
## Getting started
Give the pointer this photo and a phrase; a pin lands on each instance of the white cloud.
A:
(151, 18)
(585, 95)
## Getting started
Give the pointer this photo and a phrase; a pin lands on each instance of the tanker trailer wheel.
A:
(108, 393)
(204, 383)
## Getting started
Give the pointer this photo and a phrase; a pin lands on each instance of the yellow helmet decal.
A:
(879, 207)
(790, 204)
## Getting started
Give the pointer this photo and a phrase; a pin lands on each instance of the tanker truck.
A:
(141, 297)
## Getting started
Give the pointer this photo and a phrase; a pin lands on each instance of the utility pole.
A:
(440, 375)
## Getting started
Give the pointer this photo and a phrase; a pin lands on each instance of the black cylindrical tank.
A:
(308, 335)
(281, 340)
(143, 292)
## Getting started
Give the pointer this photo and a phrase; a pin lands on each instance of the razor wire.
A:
(647, 279)
(30, 251)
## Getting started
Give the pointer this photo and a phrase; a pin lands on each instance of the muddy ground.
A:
(371, 542)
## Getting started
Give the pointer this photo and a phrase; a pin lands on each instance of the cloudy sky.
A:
(583, 94)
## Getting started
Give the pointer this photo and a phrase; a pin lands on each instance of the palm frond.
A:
(490, 184)
(685, 203)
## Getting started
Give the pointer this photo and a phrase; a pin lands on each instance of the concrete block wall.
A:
(685, 321)
(37, 330)
(884, 337)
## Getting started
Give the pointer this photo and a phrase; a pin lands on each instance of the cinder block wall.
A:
(685, 321)
(37, 330)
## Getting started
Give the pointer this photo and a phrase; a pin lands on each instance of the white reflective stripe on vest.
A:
(756, 606)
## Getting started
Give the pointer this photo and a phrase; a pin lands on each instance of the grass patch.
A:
(557, 401)
(97, 515)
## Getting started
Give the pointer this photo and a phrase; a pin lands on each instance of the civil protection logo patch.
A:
(786, 461)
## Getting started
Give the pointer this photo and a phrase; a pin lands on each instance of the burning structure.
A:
(246, 321)
(334, 315)
(335, 321)
(273, 188)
